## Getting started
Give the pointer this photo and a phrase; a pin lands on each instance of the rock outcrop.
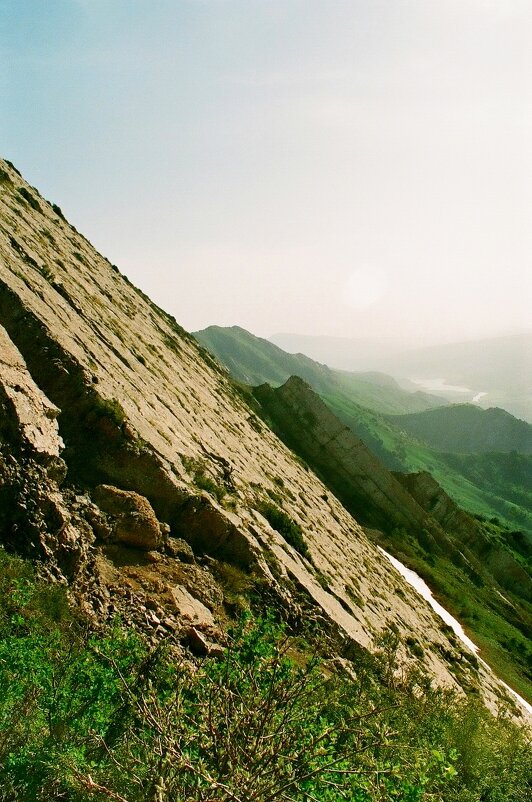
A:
(434, 500)
(133, 519)
(140, 407)
(357, 477)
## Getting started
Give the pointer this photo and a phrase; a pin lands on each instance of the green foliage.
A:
(111, 409)
(30, 200)
(202, 480)
(205, 482)
(93, 716)
(58, 211)
(282, 523)
(236, 584)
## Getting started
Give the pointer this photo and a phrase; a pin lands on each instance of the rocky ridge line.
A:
(145, 411)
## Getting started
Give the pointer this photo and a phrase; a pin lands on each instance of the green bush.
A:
(30, 200)
(90, 715)
(282, 523)
(111, 409)
(204, 482)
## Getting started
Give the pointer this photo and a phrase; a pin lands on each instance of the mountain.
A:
(495, 372)
(254, 360)
(133, 469)
(410, 515)
(467, 429)
(157, 504)
(492, 486)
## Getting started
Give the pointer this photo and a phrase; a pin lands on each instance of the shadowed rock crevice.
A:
(99, 445)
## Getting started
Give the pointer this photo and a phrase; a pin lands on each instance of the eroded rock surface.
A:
(133, 519)
(144, 409)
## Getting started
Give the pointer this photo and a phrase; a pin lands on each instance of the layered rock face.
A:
(360, 480)
(120, 438)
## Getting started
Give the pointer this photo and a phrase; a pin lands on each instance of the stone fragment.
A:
(191, 609)
(180, 549)
(202, 585)
(134, 521)
(200, 645)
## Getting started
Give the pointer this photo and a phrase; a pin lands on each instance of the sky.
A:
(352, 168)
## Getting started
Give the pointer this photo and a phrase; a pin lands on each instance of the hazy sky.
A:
(346, 167)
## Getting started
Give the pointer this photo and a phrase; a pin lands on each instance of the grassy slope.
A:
(254, 360)
(468, 429)
(491, 484)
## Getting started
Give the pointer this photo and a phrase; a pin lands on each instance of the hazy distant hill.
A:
(467, 429)
(342, 353)
(498, 368)
(253, 360)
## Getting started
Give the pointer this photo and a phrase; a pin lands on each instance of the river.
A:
(454, 392)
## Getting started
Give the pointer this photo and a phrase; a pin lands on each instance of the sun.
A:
(364, 287)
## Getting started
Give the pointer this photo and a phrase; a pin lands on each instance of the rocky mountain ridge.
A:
(131, 466)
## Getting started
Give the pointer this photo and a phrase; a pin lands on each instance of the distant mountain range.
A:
(254, 360)
(480, 457)
(494, 371)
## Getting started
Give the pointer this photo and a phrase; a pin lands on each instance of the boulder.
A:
(191, 609)
(180, 549)
(133, 521)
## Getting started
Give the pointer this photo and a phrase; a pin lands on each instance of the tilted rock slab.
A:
(143, 406)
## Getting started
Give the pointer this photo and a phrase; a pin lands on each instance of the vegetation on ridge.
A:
(96, 715)
(254, 360)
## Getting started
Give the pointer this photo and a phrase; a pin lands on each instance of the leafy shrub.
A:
(111, 409)
(92, 716)
(236, 584)
(30, 200)
(205, 482)
(58, 211)
(282, 523)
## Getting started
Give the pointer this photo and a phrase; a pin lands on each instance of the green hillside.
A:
(493, 485)
(468, 429)
(253, 360)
